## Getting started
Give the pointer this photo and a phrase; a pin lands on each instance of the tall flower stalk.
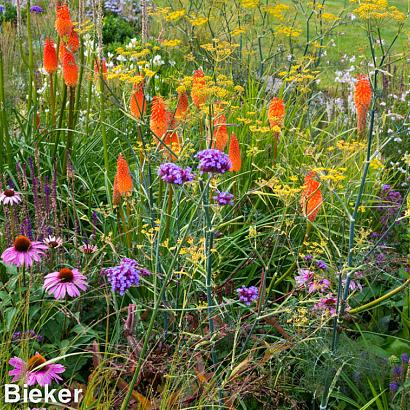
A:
(343, 291)
(5, 146)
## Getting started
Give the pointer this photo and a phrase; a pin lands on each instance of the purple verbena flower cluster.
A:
(174, 174)
(224, 198)
(248, 295)
(213, 161)
(36, 9)
(125, 275)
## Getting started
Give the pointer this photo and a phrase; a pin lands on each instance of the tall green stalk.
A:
(5, 146)
(102, 117)
(70, 132)
(344, 293)
(208, 254)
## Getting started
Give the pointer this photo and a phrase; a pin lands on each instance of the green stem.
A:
(5, 146)
(169, 211)
(69, 144)
(52, 102)
(380, 299)
(60, 120)
(102, 118)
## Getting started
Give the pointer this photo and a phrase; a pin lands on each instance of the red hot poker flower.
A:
(50, 61)
(311, 199)
(63, 23)
(138, 104)
(159, 117)
(122, 181)
(235, 154)
(70, 69)
(276, 113)
(362, 101)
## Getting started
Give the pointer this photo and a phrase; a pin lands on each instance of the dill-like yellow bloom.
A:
(175, 15)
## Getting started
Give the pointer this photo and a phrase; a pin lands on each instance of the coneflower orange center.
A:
(66, 275)
(9, 192)
(35, 361)
(22, 243)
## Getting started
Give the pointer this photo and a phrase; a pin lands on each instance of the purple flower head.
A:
(36, 9)
(174, 174)
(308, 258)
(396, 372)
(404, 357)
(23, 252)
(320, 285)
(393, 387)
(64, 282)
(304, 277)
(35, 371)
(224, 198)
(10, 197)
(327, 304)
(389, 204)
(248, 295)
(2, 8)
(213, 161)
(321, 265)
(353, 285)
(125, 275)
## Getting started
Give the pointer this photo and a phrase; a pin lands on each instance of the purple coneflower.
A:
(36, 9)
(10, 197)
(88, 249)
(65, 281)
(53, 242)
(125, 275)
(224, 198)
(248, 295)
(31, 372)
(174, 174)
(213, 161)
(23, 252)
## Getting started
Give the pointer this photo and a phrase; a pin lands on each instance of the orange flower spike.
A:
(311, 199)
(123, 181)
(73, 42)
(362, 101)
(159, 117)
(182, 106)
(63, 23)
(70, 69)
(276, 112)
(138, 105)
(50, 60)
(61, 51)
(198, 88)
(235, 154)
(220, 132)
